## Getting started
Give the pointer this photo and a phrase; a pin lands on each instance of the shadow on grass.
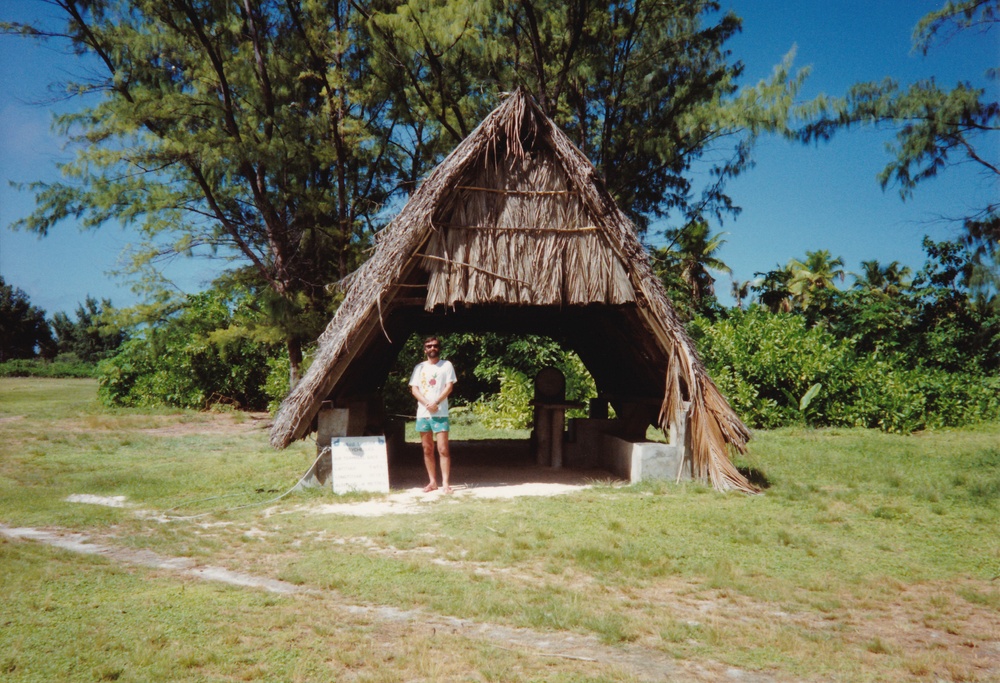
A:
(755, 477)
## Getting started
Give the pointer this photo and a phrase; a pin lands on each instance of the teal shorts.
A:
(432, 424)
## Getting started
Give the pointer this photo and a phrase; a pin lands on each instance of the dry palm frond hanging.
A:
(515, 217)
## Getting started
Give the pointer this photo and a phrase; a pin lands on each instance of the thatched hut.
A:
(515, 232)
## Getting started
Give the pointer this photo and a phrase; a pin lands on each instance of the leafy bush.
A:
(65, 365)
(198, 357)
(510, 408)
(767, 364)
(880, 396)
(776, 370)
(903, 400)
(278, 382)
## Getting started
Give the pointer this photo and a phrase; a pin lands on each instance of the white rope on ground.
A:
(248, 505)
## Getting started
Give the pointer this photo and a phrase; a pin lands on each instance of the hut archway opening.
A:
(494, 434)
(623, 400)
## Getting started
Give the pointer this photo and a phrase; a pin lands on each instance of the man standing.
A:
(430, 384)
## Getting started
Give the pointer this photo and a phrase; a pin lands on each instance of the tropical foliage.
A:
(95, 335)
(208, 352)
(813, 279)
(891, 352)
(777, 370)
(686, 263)
(28, 346)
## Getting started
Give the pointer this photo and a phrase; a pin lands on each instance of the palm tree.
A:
(772, 289)
(889, 280)
(984, 281)
(814, 276)
(871, 276)
(740, 291)
(692, 253)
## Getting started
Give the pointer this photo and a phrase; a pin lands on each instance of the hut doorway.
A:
(514, 404)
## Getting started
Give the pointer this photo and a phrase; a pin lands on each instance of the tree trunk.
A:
(294, 361)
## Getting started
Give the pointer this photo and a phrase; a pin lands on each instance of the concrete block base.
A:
(606, 444)
(645, 460)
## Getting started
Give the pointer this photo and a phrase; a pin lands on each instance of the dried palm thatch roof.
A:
(515, 231)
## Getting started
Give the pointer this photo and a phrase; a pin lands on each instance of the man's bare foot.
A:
(446, 489)
(432, 487)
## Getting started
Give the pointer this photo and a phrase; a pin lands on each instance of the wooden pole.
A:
(557, 419)
(543, 436)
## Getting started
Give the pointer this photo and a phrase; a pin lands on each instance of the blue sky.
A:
(797, 198)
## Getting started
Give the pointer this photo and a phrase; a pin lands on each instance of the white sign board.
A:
(360, 463)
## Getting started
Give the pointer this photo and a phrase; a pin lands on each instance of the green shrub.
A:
(776, 370)
(511, 407)
(903, 400)
(766, 364)
(881, 396)
(197, 358)
(278, 382)
(66, 365)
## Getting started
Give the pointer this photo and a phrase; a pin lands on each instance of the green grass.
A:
(863, 548)
(72, 618)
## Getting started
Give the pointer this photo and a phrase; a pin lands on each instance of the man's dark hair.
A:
(432, 338)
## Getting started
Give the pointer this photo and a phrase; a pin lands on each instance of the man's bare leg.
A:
(427, 442)
(444, 450)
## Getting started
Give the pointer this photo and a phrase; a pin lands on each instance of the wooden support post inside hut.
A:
(550, 416)
(543, 436)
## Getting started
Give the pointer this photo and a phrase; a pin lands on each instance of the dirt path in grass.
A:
(642, 662)
(971, 634)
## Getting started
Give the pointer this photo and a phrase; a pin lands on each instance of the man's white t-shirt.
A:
(431, 379)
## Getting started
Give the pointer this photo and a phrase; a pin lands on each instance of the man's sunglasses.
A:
(432, 346)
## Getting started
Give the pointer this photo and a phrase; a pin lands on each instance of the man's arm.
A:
(432, 407)
(446, 392)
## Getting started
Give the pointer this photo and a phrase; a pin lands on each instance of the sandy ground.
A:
(413, 500)
(408, 497)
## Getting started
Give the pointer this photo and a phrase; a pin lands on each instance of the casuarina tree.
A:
(24, 333)
(936, 128)
(236, 129)
(278, 134)
(646, 90)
